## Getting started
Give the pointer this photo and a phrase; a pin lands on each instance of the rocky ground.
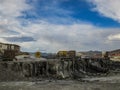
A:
(87, 75)
(89, 83)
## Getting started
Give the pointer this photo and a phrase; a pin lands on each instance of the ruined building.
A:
(115, 55)
(9, 50)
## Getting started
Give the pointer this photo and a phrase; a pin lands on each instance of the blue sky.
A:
(61, 24)
(77, 10)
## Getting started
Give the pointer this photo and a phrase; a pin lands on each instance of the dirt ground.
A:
(98, 83)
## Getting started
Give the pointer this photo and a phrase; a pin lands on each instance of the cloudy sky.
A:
(52, 25)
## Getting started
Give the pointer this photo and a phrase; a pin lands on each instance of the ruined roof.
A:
(10, 44)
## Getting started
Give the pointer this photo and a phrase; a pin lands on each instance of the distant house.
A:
(115, 55)
(9, 50)
(90, 54)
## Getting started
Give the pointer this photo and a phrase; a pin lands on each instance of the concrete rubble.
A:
(56, 69)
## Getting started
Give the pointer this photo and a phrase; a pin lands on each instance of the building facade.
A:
(9, 50)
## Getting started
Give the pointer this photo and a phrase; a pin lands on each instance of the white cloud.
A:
(51, 37)
(114, 37)
(108, 8)
(9, 11)
(12, 8)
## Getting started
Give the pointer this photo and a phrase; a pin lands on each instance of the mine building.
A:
(9, 50)
(66, 54)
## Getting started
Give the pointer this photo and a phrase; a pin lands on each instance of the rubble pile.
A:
(9, 73)
(56, 69)
(96, 67)
(90, 67)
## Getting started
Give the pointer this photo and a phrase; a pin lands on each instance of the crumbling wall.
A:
(9, 71)
(16, 70)
(55, 68)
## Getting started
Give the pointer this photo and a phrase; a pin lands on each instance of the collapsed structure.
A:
(9, 51)
(65, 65)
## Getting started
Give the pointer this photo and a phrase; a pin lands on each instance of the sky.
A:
(53, 25)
